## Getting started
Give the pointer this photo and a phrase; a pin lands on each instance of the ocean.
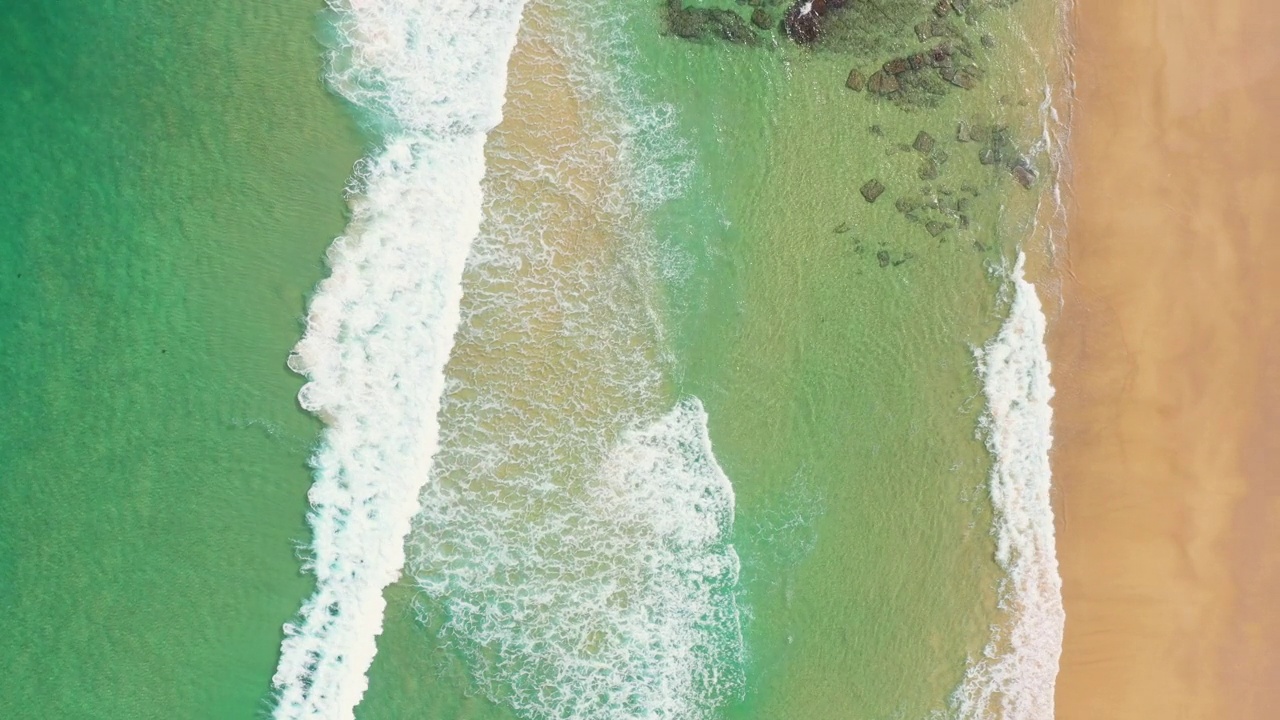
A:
(661, 367)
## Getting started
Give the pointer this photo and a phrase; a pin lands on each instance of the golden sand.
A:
(1167, 364)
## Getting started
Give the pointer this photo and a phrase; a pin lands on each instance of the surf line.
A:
(432, 75)
(1015, 678)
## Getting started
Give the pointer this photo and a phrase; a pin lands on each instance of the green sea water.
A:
(174, 173)
(841, 388)
(183, 171)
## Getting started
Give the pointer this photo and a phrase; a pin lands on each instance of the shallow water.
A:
(711, 436)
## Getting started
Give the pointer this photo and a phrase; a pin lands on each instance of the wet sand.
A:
(1167, 364)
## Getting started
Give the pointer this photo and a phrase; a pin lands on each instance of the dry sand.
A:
(1167, 364)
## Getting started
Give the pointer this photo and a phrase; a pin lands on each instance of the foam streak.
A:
(1014, 680)
(380, 328)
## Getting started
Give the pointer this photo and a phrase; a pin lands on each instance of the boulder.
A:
(964, 79)
(856, 81)
(708, 23)
(1025, 176)
(871, 190)
(761, 19)
(882, 83)
(897, 66)
(928, 170)
(882, 257)
(939, 57)
(924, 143)
(803, 20)
(943, 8)
(935, 228)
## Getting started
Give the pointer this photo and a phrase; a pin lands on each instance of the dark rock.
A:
(962, 205)
(942, 8)
(906, 205)
(963, 221)
(761, 19)
(924, 143)
(897, 66)
(962, 132)
(928, 170)
(917, 61)
(964, 79)
(940, 56)
(882, 83)
(988, 156)
(842, 228)
(1025, 176)
(876, 130)
(803, 20)
(959, 78)
(856, 81)
(935, 228)
(871, 190)
(941, 157)
(707, 24)
(961, 6)
(932, 28)
(988, 41)
(882, 257)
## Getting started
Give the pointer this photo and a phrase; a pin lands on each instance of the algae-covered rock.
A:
(882, 83)
(871, 190)
(924, 143)
(708, 24)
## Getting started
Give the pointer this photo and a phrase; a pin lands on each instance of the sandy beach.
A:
(1167, 364)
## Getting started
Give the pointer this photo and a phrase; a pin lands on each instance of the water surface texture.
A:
(660, 365)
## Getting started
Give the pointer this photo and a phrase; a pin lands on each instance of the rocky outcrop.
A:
(871, 190)
(803, 20)
(708, 24)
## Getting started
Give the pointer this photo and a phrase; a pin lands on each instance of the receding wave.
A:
(380, 328)
(607, 596)
(573, 545)
(1014, 679)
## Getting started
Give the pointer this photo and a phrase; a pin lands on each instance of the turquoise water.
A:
(175, 174)
(708, 434)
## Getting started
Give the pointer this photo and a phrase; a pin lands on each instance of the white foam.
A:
(607, 594)
(380, 328)
(1014, 680)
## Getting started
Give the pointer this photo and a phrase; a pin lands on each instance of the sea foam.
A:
(609, 596)
(573, 546)
(1014, 679)
(380, 328)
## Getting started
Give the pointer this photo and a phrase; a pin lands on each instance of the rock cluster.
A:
(914, 72)
(999, 149)
(708, 24)
(803, 20)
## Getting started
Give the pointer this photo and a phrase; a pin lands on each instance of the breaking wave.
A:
(573, 545)
(608, 596)
(380, 327)
(1014, 679)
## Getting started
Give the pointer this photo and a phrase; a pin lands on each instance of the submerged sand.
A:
(1167, 364)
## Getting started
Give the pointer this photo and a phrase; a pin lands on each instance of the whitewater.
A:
(1014, 679)
(380, 327)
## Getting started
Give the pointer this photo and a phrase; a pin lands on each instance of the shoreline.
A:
(1164, 452)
